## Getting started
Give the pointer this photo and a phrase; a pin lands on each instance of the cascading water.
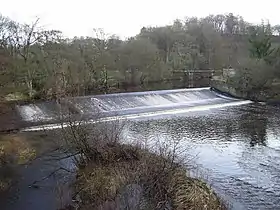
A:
(155, 99)
(132, 105)
(44, 111)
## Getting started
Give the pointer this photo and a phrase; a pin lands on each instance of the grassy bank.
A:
(112, 175)
(131, 178)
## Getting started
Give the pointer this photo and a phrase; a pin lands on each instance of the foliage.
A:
(256, 75)
(261, 49)
(43, 63)
(253, 77)
(107, 168)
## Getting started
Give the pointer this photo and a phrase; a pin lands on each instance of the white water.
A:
(150, 99)
(131, 105)
(32, 113)
(137, 116)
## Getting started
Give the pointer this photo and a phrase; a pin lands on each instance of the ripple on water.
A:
(236, 147)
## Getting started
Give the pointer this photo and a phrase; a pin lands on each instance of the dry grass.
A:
(190, 193)
(164, 183)
(99, 182)
(107, 167)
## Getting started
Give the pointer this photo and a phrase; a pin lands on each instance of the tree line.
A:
(45, 64)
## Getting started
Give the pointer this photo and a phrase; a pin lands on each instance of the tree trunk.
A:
(167, 55)
(30, 87)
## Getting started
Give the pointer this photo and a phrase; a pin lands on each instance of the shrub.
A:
(107, 167)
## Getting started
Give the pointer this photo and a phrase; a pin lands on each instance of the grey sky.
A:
(126, 17)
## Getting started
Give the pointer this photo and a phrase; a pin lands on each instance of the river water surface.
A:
(235, 149)
(234, 145)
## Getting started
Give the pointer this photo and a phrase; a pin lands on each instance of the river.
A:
(235, 149)
(234, 145)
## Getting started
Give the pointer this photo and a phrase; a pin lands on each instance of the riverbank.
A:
(269, 95)
(126, 177)
(116, 176)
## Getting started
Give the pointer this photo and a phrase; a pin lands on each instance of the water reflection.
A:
(234, 145)
(254, 127)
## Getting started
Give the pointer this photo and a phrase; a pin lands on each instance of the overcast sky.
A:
(126, 17)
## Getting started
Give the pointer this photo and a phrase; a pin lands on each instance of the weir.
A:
(128, 105)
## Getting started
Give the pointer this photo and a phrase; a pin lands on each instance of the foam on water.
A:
(134, 105)
(140, 115)
(32, 113)
(144, 100)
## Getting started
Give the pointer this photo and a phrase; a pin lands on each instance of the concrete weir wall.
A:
(270, 96)
(223, 87)
(220, 84)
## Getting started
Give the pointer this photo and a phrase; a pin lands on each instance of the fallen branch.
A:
(33, 185)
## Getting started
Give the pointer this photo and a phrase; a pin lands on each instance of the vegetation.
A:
(113, 175)
(257, 77)
(44, 64)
